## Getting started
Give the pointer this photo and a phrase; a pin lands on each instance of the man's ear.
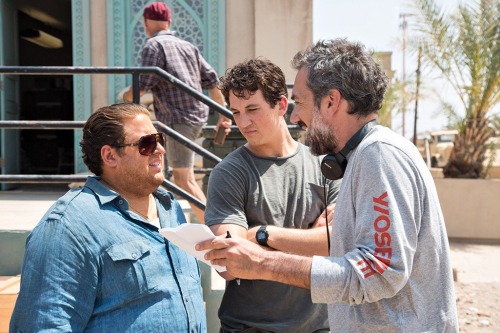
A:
(283, 105)
(108, 155)
(334, 99)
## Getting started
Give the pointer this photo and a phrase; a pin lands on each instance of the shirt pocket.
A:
(132, 270)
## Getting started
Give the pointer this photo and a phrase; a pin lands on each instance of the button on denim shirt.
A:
(92, 265)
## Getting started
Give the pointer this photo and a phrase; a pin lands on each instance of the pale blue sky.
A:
(376, 24)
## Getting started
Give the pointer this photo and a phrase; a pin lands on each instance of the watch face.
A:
(262, 236)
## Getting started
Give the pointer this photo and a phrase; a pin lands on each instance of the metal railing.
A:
(135, 72)
(61, 125)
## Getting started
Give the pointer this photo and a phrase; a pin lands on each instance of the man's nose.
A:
(160, 148)
(244, 120)
(294, 117)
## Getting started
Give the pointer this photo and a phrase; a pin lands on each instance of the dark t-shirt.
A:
(248, 190)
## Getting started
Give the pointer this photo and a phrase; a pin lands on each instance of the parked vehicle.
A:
(436, 148)
(440, 145)
(492, 162)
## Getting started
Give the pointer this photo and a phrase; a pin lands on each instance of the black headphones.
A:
(333, 165)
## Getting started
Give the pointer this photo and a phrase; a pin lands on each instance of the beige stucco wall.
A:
(471, 207)
(275, 29)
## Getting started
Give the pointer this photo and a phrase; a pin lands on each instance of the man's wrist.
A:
(262, 236)
(127, 97)
(286, 268)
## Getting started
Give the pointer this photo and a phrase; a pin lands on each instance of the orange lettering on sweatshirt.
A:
(381, 235)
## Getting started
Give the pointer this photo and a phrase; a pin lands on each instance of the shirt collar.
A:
(105, 194)
(102, 192)
(164, 32)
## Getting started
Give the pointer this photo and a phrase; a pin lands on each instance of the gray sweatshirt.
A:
(389, 268)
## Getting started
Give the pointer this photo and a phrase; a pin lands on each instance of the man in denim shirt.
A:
(96, 261)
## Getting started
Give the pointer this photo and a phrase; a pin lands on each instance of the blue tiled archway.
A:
(201, 22)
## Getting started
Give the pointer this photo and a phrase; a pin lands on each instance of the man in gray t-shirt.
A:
(271, 192)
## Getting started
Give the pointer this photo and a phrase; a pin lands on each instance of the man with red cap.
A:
(173, 107)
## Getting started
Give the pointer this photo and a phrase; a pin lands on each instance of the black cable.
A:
(326, 214)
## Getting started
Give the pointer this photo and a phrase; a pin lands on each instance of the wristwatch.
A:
(262, 236)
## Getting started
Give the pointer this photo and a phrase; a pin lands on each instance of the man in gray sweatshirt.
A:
(389, 266)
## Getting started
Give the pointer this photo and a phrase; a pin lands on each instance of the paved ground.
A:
(21, 210)
(476, 261)
(477, 286)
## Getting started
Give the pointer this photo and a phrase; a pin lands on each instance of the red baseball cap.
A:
(157, 11)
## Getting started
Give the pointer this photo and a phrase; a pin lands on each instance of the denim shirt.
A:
(93, 265)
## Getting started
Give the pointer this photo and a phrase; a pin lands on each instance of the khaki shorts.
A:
(178, 155)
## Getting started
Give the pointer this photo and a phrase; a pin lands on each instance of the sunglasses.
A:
(147, 143)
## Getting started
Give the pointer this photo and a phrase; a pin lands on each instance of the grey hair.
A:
(347, 67)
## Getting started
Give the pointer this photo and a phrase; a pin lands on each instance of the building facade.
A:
(111, 34)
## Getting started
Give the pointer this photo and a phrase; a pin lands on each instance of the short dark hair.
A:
(347, 67)
(105, 127)
(252, 75)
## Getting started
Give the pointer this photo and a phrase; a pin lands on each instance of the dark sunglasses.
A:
(147, 143)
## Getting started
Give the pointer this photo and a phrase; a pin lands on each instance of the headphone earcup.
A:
(333, 166)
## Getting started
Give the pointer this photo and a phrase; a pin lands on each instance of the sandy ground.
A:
(477, 286)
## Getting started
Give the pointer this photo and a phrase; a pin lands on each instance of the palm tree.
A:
(465, 49)
(391, 101)
(495, 125)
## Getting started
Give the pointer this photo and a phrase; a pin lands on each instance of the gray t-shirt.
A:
(289, 192)
(389, 268)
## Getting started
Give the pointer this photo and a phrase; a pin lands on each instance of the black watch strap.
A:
(262, 235)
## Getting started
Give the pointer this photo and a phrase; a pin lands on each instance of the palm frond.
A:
(464, 46)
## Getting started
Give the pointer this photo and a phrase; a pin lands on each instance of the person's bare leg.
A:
(184, 178)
